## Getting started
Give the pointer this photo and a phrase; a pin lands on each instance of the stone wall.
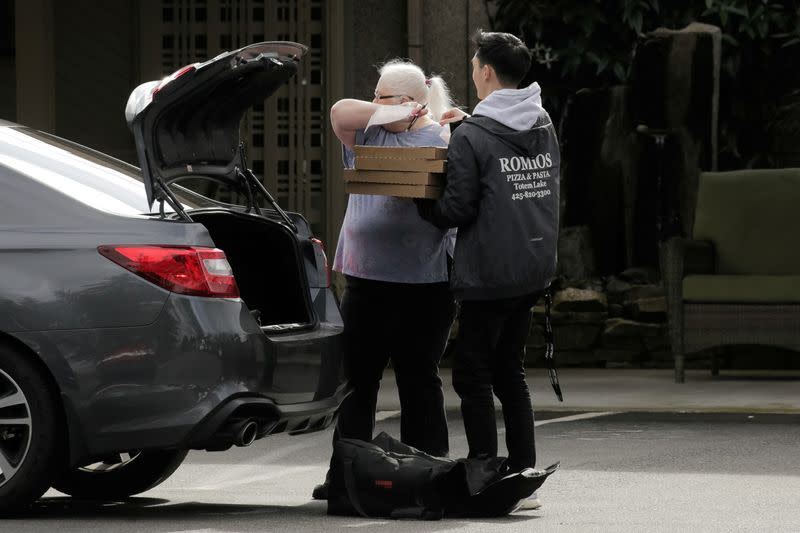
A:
(612, 320)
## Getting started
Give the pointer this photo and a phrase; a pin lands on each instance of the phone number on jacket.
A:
(527, 195)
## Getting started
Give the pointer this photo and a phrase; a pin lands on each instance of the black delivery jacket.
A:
(502, 194)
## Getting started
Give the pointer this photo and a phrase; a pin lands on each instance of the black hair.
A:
(508, 56)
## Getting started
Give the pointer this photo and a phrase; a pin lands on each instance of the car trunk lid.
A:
(187, 124)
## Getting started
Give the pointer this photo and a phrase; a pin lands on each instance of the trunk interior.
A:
(264, 258)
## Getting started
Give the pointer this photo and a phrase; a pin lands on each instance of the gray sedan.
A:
(140, 319)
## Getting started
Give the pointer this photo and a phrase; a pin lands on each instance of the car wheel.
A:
(30, 434)
(120, 475)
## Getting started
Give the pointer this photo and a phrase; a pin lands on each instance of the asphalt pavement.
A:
(621, 471)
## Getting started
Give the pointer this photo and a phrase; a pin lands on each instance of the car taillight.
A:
(321, 247)
(174, 76)
(196, 271)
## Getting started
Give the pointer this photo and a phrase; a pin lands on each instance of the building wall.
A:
(94, 60)
(447, 28)
(74, 70)
(379, 32)
(35, 68)
(8, 68)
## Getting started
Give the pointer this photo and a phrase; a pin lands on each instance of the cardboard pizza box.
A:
(396, 177)
(401, 152)
(400, 164)
(393, 189)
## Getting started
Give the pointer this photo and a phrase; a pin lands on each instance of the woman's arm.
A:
(349, 115)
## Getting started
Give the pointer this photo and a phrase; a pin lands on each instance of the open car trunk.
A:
(267, 266)
(188, 123)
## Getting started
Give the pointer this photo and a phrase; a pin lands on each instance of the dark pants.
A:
(407, 324)
(489, 359)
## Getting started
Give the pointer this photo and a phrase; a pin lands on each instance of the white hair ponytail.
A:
(439, 99)
(404, 77)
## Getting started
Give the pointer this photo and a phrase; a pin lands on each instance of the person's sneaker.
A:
(321, 491)
(530, 503)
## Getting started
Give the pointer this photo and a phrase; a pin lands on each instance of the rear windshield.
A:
(91, 177)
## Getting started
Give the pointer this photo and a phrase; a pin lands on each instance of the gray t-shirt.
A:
(383, 238)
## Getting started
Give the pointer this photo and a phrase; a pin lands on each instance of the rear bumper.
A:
(307, 417)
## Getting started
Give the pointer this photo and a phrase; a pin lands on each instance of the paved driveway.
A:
(620, 472)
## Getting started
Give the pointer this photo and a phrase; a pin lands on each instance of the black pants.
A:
(407, 324)
(489, 359)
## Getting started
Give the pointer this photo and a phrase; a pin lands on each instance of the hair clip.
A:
(427, 82)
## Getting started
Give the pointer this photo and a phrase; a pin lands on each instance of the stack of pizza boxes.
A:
(406, 172)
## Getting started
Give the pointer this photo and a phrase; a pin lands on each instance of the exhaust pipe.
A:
(244, 432)
(236, 431)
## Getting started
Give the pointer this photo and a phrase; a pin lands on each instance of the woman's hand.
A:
(417, 110)
(412, 111)
(452, 115)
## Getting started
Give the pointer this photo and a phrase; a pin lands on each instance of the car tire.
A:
(30, 431)
(118, 477)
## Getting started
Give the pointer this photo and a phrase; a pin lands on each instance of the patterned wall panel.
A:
(285, 134)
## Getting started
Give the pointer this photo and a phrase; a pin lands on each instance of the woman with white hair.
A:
(397, 305)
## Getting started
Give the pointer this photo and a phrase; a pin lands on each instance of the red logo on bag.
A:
(383, 483)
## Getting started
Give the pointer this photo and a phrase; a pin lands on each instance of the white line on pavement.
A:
(572, 418)
(385, 415)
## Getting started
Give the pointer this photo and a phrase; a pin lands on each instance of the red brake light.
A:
(175, 75)
(195, 271)
(325, 260)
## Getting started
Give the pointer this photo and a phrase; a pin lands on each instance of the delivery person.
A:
(502, 194)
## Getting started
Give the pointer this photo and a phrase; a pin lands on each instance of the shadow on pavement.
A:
(163, 516)
(62, 508)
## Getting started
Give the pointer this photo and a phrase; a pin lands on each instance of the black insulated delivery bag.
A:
(386, 478)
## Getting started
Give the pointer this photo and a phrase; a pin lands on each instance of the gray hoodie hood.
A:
(519, 109)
